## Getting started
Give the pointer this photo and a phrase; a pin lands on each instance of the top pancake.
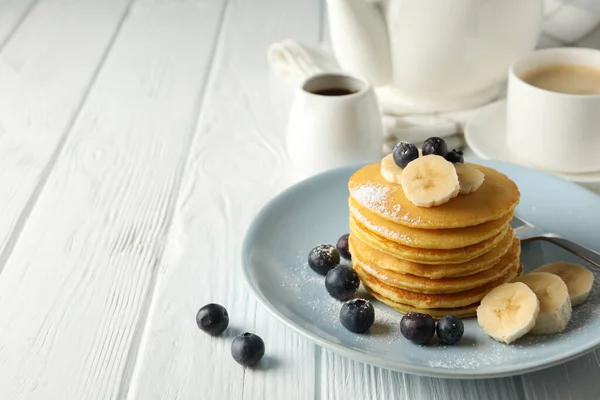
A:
(453, 238)
(495, 198)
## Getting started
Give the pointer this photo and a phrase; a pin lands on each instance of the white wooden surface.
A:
(138, 138)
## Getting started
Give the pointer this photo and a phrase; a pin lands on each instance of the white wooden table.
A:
(138, 138)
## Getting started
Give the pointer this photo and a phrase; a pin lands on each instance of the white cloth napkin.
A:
(294, 62)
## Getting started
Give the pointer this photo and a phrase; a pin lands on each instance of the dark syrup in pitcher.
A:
(334, 92)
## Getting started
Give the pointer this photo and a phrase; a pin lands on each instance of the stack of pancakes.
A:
(438, 260)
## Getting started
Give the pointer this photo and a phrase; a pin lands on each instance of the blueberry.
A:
(450, 329)
(341, 282)
(247, 349)
(417, 327)
(323, 258)
(212, 319)
(342, 247)
(455, 156)
(404, 153)
(357, 315)
(435, 145)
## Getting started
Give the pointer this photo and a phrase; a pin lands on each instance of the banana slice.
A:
(430, 181)
(390, 170)
(579, 279)
(469, 178)
(555, 304)
(508, 311)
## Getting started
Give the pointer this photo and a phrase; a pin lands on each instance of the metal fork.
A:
(528, 232)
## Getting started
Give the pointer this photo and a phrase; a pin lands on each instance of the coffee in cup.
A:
(553, 110)
(564, 78)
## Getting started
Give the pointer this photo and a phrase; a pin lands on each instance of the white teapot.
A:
(435, 55)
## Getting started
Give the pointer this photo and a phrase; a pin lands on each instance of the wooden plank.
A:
(464, 389)
(12, 14)
(74, 294)
(237, 162)
(349, 380)
(42, 85)
(575, 380)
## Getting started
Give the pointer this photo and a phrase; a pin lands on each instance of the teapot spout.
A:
(359, 38)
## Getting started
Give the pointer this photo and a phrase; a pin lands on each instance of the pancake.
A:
(436, 313)
(393, 264)
(467, 311)
(425, 256)
(446, 285)
(427, 238)
(429, 300)
(495, 198)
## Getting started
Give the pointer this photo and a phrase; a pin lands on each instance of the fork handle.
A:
(589, 255)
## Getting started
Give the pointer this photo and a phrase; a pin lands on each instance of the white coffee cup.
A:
(330, 131)
(551, 130)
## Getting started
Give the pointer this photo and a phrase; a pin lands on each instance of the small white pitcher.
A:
(334, 121)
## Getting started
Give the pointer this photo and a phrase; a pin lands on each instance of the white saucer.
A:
(485, 133)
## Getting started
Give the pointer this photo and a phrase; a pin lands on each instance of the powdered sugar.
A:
(382, 230)
(470, 358)
(372, 272)
(301, 276)
(411, 220)
(309, 287)
(374, 197)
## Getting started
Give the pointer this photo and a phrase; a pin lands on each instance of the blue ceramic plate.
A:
(315, 211)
